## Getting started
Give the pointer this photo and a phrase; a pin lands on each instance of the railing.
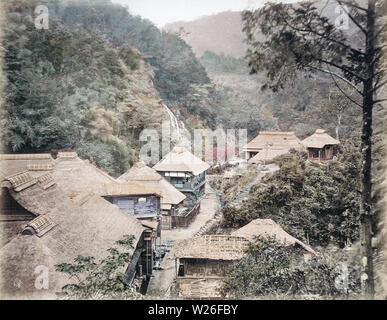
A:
(183, 220)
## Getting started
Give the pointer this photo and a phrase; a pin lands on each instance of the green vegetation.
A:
(272, 270)
(70, 89)
(215, 63)
(315, 202)
(101, 279)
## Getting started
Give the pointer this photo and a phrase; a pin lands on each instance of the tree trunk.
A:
(339, 116)
(366, 219)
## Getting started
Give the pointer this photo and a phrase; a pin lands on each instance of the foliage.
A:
(318, 202)
(215, 63)
(69, 89)
(270, 269)
(103, 279)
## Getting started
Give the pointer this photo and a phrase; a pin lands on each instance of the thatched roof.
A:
(214, 247)
(62, 230)
(15, 163)
(267, 155)
(274, 140)
(268, 228)
(74, 174)
(181, 160)
(319, 139)
(148, 176)
(129, 188)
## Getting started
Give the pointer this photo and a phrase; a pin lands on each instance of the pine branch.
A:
(342, 68)
(352, 18)
(351, 4)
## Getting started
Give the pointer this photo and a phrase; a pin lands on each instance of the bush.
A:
(104, 279)
(270, 269)
(316, 202)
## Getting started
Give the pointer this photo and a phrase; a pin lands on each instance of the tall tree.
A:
(302, 39)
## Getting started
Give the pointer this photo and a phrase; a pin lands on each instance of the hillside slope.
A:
(220, 33)
(69, 89)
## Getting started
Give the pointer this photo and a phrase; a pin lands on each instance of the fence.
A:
(183, 220)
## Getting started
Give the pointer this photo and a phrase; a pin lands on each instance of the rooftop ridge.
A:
(39, 226)
(25, 156)
(67, 154)
(21, 180)
(39, 167)
(46, 180)
(277, 133)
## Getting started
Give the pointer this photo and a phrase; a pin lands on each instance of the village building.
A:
(320, 146)
(268, 145)
(184, 171)
(12, 215)
(62, 223)
(134, 198)
(266, 228)
(172, 200)
(202, 262)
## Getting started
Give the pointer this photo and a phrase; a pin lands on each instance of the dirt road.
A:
(163, 279)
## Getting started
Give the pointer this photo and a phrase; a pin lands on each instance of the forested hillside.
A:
(220, 33)
(69, 89)
(303, 106)
(306, 104)
(94, 79)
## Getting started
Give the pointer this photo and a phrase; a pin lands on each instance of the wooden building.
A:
(63, 223)
(184, 171)
(202, 262)
(267, 145)
(134, 198)
(268, 228)
(320, 146)
(172, 200)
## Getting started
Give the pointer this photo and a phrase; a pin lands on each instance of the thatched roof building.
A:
(181, 160)
(319, 139)
(267, 155)
(267, 145)
(74, 174)
(268, 228)
(145, 175)
(320, 146)
(212, 247)
(130, 188)
(62, 228)
(277, 140)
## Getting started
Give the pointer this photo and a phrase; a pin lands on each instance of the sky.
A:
(161, 12)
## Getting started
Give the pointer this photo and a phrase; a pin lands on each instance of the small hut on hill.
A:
(268, 145)
(320, 146)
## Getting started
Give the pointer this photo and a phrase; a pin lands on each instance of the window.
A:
(314, 153)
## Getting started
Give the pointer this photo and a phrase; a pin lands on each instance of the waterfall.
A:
(174, 121)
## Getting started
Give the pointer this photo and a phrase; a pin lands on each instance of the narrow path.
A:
(238, 199)
(162, 280)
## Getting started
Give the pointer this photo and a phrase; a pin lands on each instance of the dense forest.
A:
(94, 79)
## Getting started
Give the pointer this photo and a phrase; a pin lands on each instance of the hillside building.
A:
(320, 146)
(268, 145)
